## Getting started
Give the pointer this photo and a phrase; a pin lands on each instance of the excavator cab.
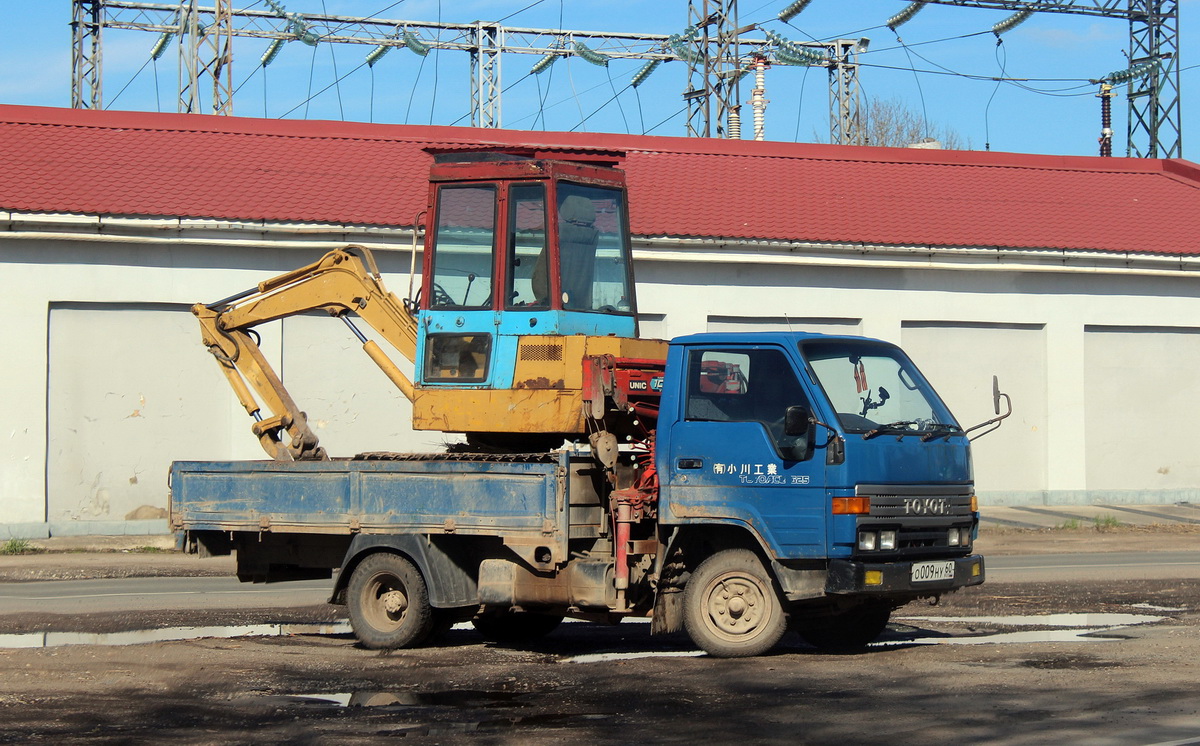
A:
(519, 248)
(527, 272)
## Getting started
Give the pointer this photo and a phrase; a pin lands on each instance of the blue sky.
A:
(1053, 110)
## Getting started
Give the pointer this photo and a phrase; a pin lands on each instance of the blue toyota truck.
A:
(776, 479)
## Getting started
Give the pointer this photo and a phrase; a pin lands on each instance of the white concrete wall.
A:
(106, 381)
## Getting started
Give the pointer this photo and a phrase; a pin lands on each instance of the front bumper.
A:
(871, 578)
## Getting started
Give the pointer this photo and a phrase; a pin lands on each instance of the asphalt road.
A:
(187, 593)
(1104, 566)
(149, 594)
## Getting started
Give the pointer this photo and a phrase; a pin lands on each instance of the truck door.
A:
(729, 459)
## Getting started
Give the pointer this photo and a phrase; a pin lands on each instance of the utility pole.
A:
(205, 58)
(714, 67)
(845, 103)
(86, 23)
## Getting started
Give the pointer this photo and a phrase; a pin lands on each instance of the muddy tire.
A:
(849, 631)
(388, 603)
(515, 626)
(731, 607)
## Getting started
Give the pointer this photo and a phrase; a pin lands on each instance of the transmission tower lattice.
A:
(207, 33)
(1154, 126)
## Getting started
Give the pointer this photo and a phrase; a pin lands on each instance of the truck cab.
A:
(831, 457)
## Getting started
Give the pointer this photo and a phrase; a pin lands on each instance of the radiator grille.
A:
(541, 353)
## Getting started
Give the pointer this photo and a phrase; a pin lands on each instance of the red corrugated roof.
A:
(134, 163)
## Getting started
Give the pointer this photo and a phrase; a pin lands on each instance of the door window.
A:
(744, 386)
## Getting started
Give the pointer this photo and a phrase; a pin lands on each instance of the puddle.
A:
(1152, 607)
(606, 657)
(166, 634)
(505, 710)
(1042, 635)
(1065, 628)
(463, 698)
(1045, 620)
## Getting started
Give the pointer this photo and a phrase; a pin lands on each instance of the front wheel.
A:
(389, 604)
(731, 608)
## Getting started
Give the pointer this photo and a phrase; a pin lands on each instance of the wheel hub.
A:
(394, 602)
(736, 606)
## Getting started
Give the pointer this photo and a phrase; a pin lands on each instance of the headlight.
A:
(867, 541)
(887, 540)
(953, 537)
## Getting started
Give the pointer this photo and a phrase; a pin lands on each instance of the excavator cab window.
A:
(527, 254)
(465, 234)
(593, 255)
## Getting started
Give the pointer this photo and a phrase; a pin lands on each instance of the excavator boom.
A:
(341, 283)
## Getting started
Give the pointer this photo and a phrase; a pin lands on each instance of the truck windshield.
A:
(875, 388)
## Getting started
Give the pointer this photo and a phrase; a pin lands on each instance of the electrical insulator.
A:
(681, 47)
(790, 53)
(1128, 74)
(1010, 23)
(543, 64)
(272, 52)
(416, 45)
(160, 46)
(641, 75)
(590, 55)
(793, 10)
(905, 15)
(302, 31)
(377, 54)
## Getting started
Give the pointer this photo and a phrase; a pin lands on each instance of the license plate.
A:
(923, 572)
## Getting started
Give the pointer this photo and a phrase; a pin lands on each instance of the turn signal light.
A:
(873, 577)
(974, 504)
(851, 505)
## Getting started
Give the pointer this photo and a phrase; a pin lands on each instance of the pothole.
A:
(1068, 662)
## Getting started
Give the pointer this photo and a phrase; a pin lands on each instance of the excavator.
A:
(523, 333)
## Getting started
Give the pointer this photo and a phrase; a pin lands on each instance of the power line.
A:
(312, 96)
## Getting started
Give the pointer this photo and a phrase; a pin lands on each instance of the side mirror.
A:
(798, 423)
(797, 420)
(997, 397)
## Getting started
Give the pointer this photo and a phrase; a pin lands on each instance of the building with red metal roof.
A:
(133, 163)
(1075, 279)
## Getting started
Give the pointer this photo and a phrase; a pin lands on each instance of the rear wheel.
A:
(389, 603)
(731, 608)
(515, 626)
(848, 631)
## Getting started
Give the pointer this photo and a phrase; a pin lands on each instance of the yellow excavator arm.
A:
(340, 283)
